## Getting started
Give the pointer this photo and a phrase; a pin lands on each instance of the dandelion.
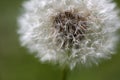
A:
(69, 32)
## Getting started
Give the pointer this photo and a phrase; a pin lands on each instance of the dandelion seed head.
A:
(69, 32)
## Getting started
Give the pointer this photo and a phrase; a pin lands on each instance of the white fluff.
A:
(35, 30)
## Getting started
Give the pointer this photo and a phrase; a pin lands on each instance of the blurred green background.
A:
(17, 64)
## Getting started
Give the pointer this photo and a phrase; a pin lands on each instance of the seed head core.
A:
(70, 29)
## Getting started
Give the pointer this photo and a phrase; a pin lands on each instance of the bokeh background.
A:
(17, 64)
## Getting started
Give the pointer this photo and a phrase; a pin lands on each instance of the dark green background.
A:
(17, 64)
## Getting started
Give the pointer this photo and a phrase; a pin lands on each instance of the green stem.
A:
(64, 74)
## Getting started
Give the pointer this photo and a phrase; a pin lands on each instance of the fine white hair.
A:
(36, 31)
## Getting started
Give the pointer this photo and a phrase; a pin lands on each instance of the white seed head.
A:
(69, 32)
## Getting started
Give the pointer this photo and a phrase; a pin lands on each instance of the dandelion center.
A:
(70, 29)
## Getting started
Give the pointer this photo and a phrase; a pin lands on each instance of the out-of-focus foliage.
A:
(17, 64)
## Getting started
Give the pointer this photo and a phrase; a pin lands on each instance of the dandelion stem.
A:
(64, 74)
